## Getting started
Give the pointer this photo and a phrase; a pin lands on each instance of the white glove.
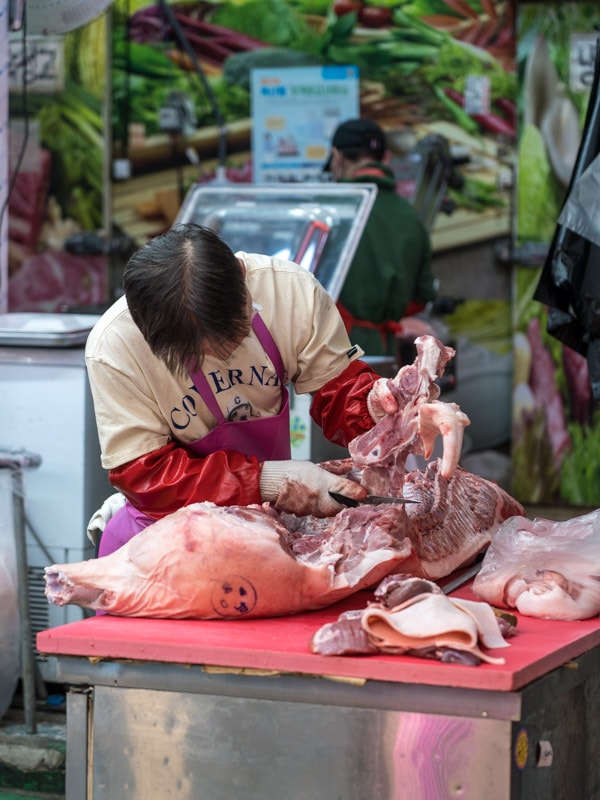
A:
(380, 400)
(100, 518)
(302, 488)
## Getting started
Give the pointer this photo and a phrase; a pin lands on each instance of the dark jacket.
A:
(391, 266)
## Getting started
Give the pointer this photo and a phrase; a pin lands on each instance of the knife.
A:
(370, 500)
(464, 576)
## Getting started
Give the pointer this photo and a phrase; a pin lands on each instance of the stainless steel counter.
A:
(223, 710)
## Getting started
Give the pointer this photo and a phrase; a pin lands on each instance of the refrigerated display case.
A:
(316, 225)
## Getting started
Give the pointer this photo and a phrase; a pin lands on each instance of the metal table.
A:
(241, 709)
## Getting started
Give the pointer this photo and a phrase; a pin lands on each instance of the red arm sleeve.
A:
(340, 407)
(166, 479)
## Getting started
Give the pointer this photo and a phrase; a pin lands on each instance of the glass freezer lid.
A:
(39, 329)
(316, 225)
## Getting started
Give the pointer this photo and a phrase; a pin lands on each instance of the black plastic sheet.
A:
(570, 281)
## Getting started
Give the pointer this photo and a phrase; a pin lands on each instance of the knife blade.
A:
(464, 576)
(370, 500)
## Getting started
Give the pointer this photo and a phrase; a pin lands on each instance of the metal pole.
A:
(27, 658)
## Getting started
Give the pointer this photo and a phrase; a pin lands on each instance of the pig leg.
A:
(61, 590)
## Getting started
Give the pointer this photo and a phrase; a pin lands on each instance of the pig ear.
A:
(447, 420)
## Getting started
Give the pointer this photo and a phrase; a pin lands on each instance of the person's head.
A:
(356, 142)
(187, 294)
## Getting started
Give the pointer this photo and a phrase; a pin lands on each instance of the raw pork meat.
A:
(413, 616)
(27, 200)
(381, 453)
(456, 512)
(543, 568)
(454, 519)
(53, 281)
(208, 562)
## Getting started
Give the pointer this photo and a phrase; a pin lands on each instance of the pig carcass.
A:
(544, 568)
(207, 561)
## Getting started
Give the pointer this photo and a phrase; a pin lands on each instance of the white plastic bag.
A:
(544, 568)
(10, 621)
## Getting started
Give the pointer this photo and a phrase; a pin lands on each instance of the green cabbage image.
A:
(538, 203)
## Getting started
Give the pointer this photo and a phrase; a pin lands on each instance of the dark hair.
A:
(186, 291)
(359, 138)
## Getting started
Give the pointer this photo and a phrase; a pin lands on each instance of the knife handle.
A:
(343, 500)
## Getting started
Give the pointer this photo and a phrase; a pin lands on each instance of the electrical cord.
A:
(183, 41)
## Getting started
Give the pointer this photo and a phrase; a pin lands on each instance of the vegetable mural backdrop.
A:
(556, 438)
(414, 59)
(57, 144)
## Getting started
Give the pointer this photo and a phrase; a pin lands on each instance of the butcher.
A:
(188, 372)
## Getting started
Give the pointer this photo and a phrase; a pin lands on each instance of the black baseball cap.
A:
(363, 135)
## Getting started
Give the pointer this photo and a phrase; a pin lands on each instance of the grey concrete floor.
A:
(32, 765)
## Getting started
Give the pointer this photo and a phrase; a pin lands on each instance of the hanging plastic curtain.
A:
(570, 281)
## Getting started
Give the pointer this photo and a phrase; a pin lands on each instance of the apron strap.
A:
(384, 328)
(264, 337)
(200, 382)
(267, 341)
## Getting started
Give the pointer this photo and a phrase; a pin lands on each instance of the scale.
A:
(316, 225)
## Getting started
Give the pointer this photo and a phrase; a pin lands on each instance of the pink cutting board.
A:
(282, 644)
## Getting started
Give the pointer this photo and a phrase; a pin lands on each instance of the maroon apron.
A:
(267, 438)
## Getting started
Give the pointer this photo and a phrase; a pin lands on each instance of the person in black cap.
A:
(390, 275)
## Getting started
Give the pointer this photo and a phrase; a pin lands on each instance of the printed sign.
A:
(582, 59)
(477, 94)
(295, 111)
(37, 62)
